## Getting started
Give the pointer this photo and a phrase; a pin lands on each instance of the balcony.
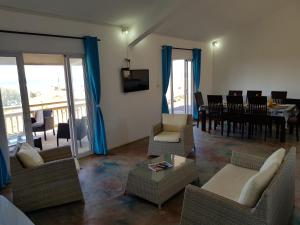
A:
(15, 127)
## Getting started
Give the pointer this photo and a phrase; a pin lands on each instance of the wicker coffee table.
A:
(158, 187)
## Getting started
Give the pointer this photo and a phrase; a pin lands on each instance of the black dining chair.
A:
(294, 121)
(257, 114)
(278, 96)
(235, 93)
(215, 111)
(199, 105)
(234, 113)
(253, 94)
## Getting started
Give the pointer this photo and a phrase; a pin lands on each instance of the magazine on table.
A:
(159, 166)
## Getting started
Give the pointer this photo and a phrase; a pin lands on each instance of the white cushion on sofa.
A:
(276, 157)
(256, 185)
(166, 136)
(29, 156)
(229, 181)
(173, 123)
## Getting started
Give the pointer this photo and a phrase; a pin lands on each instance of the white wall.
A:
(265, 56)
(128, 117)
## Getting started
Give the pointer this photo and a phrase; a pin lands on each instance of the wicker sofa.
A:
(182, 147)
(54, 183)
(275, 206)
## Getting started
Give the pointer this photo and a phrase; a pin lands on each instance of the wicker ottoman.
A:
(158, 187)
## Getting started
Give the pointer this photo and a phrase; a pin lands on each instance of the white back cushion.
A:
(173, 123)
(276, 157)
(29, 156)
(256, 185)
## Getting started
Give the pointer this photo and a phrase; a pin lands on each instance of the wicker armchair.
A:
(182, 148)
(275, 207)
(54, 183)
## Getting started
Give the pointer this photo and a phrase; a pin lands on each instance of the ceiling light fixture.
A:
(125, 30)
(215, 44)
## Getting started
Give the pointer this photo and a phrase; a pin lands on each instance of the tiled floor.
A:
(51, 142)
(103, 181)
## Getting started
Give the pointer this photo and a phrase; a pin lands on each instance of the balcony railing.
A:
(14, 115)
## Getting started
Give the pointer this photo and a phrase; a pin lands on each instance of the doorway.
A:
(44, 100)
(180, 90)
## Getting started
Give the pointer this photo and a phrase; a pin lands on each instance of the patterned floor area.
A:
(103, 181)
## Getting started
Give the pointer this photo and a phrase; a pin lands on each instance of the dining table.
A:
(278, 113)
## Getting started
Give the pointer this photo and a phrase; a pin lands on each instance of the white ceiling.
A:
(203, 20)
(198, 20)
(113, 12)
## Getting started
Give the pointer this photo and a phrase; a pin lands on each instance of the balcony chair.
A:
(63, 130)
(42, 122)
(174, 135)
(53, 183)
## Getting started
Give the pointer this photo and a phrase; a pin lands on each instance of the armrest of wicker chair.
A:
(48, 173)
(56, 153)
(246, 160)
(203, 207)
(186, 133)
(157, 128)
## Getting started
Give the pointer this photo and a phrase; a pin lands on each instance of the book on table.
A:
(159, 166)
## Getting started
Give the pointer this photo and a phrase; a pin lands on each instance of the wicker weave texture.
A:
(275, 206)
(160, 191)
(182, 148)
(54, 183)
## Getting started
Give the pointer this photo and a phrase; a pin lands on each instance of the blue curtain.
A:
(166, 72)
(4, 176)
(196, 76)
(99, 144)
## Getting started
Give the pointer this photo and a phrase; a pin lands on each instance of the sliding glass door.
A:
(11, 99)
(44, 101)
(180, 90)
(79, 102)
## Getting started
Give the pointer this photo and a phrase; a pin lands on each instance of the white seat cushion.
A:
(256, 185)
(29, 156)
(166, 136)
(172, 122)
(276, 157)
(229, 181)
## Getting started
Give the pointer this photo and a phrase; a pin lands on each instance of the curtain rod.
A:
(42, 34)
(185, 49)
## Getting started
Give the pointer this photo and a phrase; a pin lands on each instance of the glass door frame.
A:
(18, 55)
(186, 86)
(71, 104)
(24, 97)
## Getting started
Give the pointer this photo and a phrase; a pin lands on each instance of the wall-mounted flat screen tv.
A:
(135, 80)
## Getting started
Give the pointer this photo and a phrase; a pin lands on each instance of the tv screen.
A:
(135, 80)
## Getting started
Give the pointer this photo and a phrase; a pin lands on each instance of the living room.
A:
(244, 46)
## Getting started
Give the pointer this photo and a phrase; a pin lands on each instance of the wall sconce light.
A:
(215, 44)
(125, 30)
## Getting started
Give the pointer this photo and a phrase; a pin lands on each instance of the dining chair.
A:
(234, 113)
(215, 111)
(294, 121)
(258, 114)
(253, 94)
(199, 104)
(235, 93)
(278, 96)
